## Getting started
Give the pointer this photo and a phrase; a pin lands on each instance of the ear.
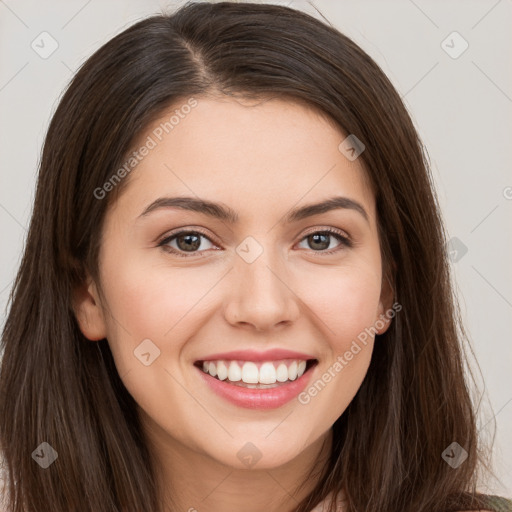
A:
(383, 320)
(88, 310)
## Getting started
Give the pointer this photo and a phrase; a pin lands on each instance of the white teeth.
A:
(292, 371)
(282, 373)
(234, 372)
(248, 372)
(222, 370)
(300, 369)
(267, 373)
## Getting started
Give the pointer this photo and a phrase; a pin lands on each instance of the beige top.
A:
(323, 506)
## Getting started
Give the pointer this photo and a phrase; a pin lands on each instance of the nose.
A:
(259, 295)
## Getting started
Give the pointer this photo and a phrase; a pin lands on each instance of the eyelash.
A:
(345, 242)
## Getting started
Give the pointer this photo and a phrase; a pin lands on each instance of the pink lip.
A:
(253, 355)
(271, 398)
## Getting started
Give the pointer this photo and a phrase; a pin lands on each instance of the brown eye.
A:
(319, 241)
(186, 242)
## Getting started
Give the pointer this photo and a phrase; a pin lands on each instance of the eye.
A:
(320, 240)
(187, 242)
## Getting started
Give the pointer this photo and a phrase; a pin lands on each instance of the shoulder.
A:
(3, 485)
(324, 505)
(495, 504)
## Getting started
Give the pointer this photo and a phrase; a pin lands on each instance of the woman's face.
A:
(257, 296)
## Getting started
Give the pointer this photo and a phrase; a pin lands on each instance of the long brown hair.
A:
(59, 388)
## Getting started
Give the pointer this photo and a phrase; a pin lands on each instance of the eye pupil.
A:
(188, 246)
(315, 237)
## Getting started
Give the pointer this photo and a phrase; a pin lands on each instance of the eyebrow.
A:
(225, 213)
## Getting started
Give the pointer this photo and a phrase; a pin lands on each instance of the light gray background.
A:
(461, 106)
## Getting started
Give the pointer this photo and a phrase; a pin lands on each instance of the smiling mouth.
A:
(257, 374)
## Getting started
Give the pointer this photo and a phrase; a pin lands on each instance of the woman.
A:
(177, 340)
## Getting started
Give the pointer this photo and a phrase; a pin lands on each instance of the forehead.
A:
(246, 152)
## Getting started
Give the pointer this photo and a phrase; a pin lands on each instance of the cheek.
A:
(163, 306)
(346, 300)
(346, 306)
(155, 303)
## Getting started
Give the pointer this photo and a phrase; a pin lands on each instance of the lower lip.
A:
(251, 398)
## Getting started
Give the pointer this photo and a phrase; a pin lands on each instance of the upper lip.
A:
(254, 355)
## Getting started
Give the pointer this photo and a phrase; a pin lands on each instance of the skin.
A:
(261, 159)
